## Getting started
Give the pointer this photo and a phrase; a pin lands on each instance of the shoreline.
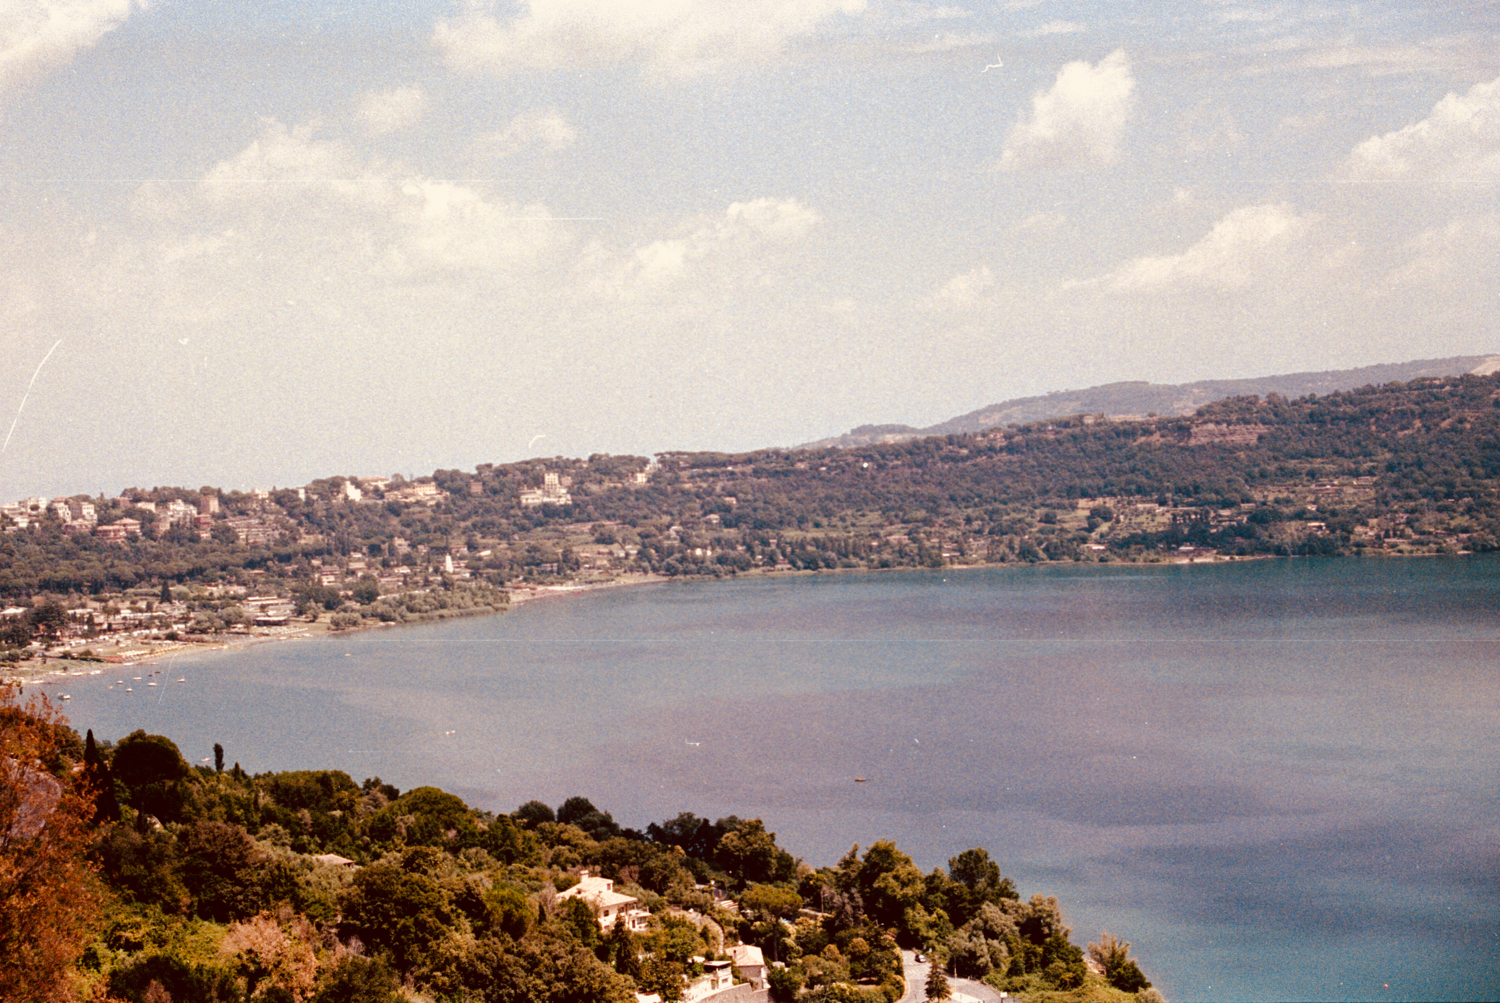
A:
(58, 668)
(37, 673)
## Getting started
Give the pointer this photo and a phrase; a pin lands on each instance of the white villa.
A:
(611, 906)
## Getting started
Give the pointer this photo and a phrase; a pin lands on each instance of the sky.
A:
(248, 245)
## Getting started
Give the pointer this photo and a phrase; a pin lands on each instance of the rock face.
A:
(1138, 398)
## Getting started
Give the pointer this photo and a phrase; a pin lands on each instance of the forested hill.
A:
(1401, 468)
(131, 877)
(1138, 398)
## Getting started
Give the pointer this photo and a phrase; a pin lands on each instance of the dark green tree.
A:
(661, 976)
(784, 984)
(47, 619)
(397, 912)
(937, 980)
(355, 979)
(575, 808)
(533, 813)
(222, 870)
(100, 782)
(153, 773)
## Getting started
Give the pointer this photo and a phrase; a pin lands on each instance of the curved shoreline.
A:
(49, 668)
(37, 671)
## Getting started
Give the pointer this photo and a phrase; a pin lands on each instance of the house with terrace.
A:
(609, 905)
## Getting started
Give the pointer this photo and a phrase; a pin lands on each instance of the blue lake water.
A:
(1280, 780)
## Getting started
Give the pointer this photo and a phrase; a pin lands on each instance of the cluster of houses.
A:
(716, 982)
(83, 516)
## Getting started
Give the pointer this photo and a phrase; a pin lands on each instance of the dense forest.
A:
(128, 875)
(1396, 469)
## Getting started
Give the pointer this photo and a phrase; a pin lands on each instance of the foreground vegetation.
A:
(127, 875)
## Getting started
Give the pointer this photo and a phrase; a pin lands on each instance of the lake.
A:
(1280, 780)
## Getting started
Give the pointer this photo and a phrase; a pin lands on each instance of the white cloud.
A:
(296, 193)
(671, 38)
(390, 111)
(966, 289)
(1040, 222)
(543, 128)
(1243, 247)
(1054, 28)
(949, 41)
(1247, 14)
(1079, 121)
(1459, 141)
(38, 35)
(282, 154)
(1457, 257)
(731, 249)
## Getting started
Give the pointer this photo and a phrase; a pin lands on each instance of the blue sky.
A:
(278, 241)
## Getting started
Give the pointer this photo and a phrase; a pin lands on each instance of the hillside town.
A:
(1396, 470)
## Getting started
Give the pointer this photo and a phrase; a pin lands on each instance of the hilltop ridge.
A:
(1140, 399)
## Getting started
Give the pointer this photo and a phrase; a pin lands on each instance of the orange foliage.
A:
(49, 897)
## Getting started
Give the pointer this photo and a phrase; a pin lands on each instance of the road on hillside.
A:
(964, 990)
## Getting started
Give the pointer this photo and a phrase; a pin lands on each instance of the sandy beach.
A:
(51, 668)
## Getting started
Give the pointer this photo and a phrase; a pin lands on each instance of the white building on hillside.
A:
(609, 905)
(552, 492)
(751, 963)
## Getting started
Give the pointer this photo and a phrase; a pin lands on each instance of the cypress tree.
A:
(937, 980)
(96, 774)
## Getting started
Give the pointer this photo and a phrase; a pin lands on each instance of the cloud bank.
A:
(1078, 122)
(670, 38)
(1243, 247)
(390, 111)
(1459, 141)
(39, 35)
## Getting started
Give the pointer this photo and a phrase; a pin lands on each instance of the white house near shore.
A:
(609, 905)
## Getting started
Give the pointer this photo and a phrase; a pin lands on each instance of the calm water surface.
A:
(1279, 780)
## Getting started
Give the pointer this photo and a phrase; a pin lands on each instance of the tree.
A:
(394, 910)
(1113, 955)
(355, 979)
(575, 808)
(49, 897)
(221, 869)
(100, 783)
(16, 634)
(218, 758)
(772, 904)
(661, 976)
(533, 813)
(47, 619)
(366, 590)
(784, 984)
(153, 772)
(750, 853)
(937, 980)
(621, 950)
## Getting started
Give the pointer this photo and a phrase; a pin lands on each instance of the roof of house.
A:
(334, 859)
(747, 955)
(597, 892)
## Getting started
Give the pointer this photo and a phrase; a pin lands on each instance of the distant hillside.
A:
(1137, 399)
